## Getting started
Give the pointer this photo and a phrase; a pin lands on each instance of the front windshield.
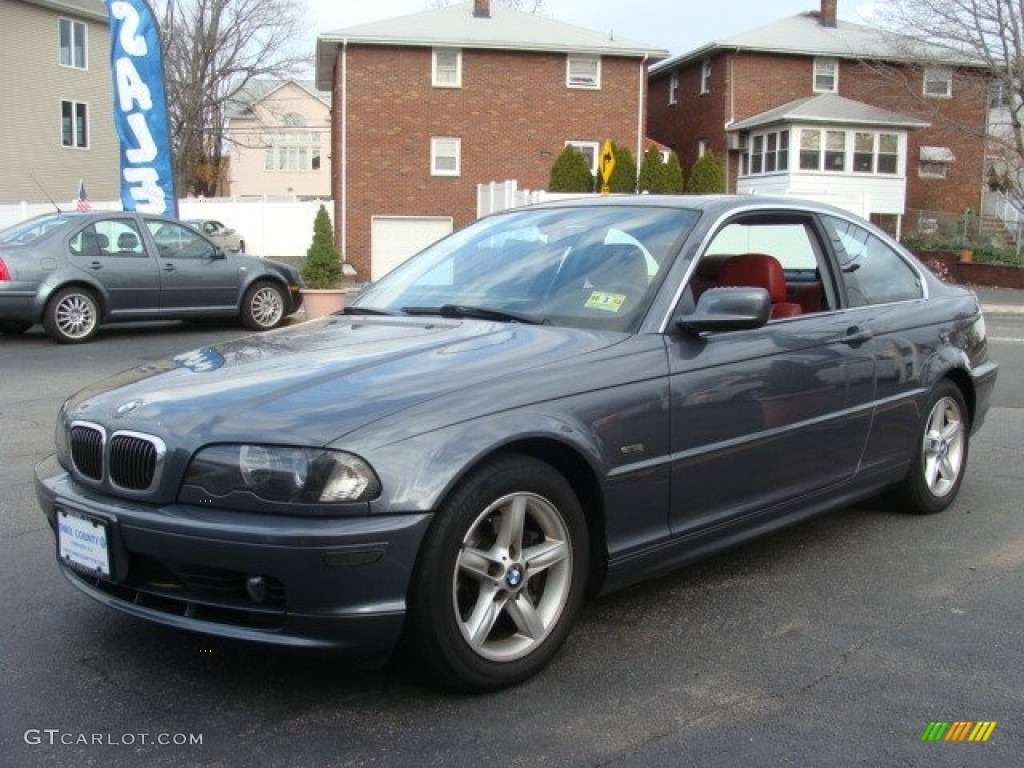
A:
(585, 266)
(27, 231)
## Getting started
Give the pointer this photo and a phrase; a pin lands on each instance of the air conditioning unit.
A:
(736, 142)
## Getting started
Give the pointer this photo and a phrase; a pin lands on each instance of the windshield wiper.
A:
(354, 310)
(481, 313)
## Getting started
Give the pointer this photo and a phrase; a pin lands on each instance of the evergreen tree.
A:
(322, 265)
(571, 172)
(652, 177)
(707, 176)
(674, 175)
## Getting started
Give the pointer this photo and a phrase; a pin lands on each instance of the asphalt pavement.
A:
(1000, 300)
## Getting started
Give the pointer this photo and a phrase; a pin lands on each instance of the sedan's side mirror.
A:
(218, 252)
(728, 309)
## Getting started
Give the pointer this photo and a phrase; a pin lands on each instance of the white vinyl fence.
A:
(501, 195)
(269, 227)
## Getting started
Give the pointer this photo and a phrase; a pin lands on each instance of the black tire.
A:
(13, 328)
(263, 306)
(508, 556)
(940, 455)
(72, 315)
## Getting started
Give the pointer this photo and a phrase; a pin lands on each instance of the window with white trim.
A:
(702, 147)
(293, 148)
(583, 71)
(888, 160)
(74, 124)
(445, 156)
(447, 68)
(705, 76)
(589, 150)
(938, 82)
(673, 88)
(769, 152)
(873, 152)
(932, 170)
(934, 162)
(71, 43)
(826, 75)
(863, 152)
(810, 150)
(835, 151)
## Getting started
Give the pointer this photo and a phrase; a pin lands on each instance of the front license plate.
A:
(82, 543)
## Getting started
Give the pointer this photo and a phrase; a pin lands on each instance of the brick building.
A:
(812, 105)
(427, 106)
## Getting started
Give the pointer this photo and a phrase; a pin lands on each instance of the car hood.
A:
(313, 383)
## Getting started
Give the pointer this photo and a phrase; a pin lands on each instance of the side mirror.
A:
(218, 252)
(728, 309)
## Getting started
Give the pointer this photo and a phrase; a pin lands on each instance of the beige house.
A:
(56, 125)
(279, 133)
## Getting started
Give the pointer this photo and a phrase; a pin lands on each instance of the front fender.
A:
(418, 473)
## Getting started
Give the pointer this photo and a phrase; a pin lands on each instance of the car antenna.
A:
(45, 193)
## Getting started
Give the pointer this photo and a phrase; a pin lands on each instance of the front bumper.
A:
(336, 583)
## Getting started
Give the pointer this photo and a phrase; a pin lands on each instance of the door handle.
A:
(856, 335)
(96, 265)
(169, 267)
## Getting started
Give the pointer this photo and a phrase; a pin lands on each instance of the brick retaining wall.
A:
(947, 265)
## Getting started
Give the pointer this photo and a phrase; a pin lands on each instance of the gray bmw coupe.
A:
(556, 401)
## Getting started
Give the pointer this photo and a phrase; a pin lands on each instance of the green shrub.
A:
(571, 172)
(322, 266)
(707, 176)
(652, 173)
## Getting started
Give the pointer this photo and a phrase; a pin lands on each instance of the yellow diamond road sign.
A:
(607, 162)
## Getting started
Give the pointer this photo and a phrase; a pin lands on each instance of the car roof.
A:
(712, 204)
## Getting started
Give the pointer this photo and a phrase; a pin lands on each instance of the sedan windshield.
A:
(581, 266)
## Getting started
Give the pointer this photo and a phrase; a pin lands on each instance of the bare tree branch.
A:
(213, 49)
(988, 34)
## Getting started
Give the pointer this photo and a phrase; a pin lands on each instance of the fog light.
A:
(256, 586)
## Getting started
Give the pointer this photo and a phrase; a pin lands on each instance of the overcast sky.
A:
(678, 26)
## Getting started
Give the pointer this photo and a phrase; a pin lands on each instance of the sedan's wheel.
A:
(72, 316)
(941, 454)
(263, 307)
(13, 328)
(501, 577)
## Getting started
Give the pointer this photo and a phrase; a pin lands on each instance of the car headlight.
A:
(60, 439)
(273, 478)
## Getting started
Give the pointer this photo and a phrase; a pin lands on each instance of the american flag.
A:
(82, 203)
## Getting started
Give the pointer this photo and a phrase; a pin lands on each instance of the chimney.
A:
(828, 13)
(482, 9)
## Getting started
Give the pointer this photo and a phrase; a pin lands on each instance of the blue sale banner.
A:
(140, 109)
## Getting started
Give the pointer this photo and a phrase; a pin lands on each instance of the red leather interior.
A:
(760, 270)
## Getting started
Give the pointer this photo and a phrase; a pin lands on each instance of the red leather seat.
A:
(759, 270)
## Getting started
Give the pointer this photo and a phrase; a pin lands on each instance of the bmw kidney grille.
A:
(129, 461)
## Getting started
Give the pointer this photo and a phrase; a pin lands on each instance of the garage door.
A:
(393, 239)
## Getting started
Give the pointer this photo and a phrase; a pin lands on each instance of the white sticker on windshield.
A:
(609, 302)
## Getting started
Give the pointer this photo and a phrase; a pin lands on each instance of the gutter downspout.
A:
(344, 149)
(640, 122)
(731, 69)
